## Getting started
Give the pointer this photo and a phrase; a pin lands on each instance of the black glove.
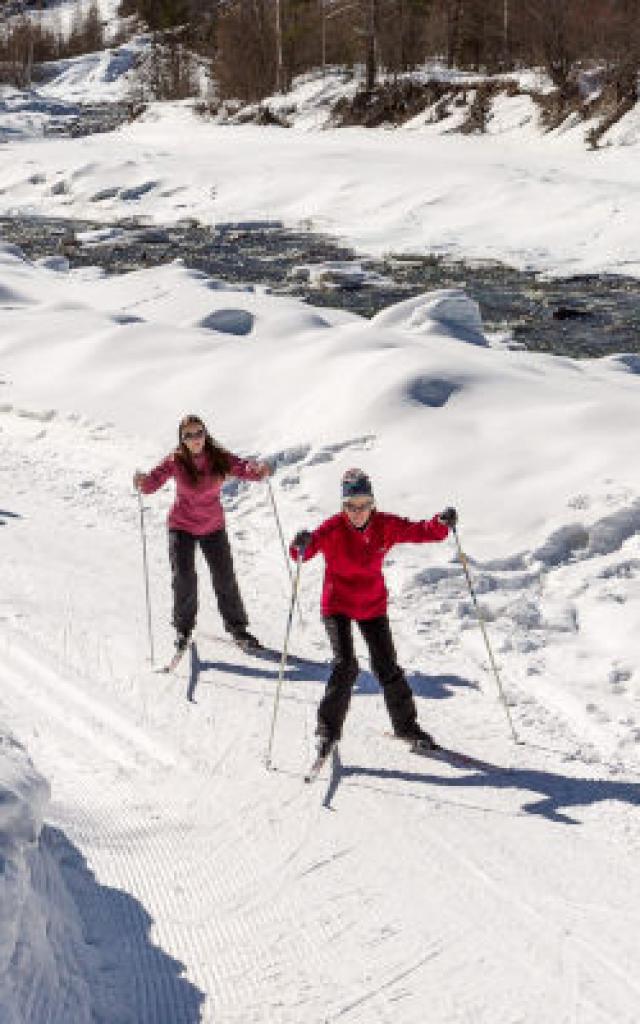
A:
(302, 540)
(449, 517)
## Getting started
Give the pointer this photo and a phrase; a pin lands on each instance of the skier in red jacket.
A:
(354, 544)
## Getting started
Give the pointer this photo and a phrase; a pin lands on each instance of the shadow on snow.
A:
(298, 670)
(435, 687)
(4, 515)
(554, 791)
(130, 978)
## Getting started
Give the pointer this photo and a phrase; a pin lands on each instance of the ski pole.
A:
(283, 659)
(283, 542)
(145, 569)
(483, 629)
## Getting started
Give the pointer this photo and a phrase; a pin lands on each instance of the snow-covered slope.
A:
(104, 76)
(398, 889)
(514, 195)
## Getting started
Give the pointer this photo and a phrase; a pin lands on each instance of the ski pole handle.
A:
(283, 542)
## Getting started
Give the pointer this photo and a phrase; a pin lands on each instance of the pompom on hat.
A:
(356, 484)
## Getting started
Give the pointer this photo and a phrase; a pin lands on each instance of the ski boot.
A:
(181, 642)
(324, 746)
(246, 641)
(419, 741)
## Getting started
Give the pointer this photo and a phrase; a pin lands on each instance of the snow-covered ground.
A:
(151, 870)
(516, 195)
(176, 879)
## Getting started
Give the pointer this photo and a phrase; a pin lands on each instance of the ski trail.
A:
(195, 855)
(356, 1004)
(536, 937)
(385, 899)
(113, 820)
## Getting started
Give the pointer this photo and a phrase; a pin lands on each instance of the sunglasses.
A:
(358, 506)
(193, 435)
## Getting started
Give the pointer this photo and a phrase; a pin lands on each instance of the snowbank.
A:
(514, 195)
(94, 77)
(528, 430)
(24, 795)
(445, 310)
(159, 780)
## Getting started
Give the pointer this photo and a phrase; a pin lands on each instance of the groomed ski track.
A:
(401, 891)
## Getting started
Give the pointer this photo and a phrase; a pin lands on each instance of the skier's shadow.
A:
(4, 515)
(555, 791)
(297, 670)
(436, 687)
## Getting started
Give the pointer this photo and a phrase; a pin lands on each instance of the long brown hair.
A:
(219, 458)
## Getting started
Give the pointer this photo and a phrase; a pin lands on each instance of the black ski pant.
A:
(217, 552)
(397, 693)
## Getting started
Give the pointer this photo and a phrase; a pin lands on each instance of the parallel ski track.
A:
(257, 888)
(192, 876)
(218, 905)
(549, 941)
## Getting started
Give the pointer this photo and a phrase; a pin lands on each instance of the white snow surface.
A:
(151, 870)
(175, 879)
(516, 195)
(94, 77)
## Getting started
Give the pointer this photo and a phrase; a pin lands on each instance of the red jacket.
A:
(353, 581)
(197, 508)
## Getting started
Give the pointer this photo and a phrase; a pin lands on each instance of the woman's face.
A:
(358, 510)
(193, 436)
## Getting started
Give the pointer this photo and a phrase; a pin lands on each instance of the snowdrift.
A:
(534, 203)
(449, 417)
(195, 855)
(24, 795)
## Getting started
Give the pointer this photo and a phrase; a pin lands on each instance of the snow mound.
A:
(562, 544)
(603, 537)
(24, 795)
(58, 263)
(94, 77)
(229, 321)
(448, 310)
(11, 297)
(432, 391)
(10, 254)
(630, 361)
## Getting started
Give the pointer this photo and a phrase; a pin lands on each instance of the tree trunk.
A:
(372, 44)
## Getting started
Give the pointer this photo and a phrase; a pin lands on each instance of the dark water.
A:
(578, 316)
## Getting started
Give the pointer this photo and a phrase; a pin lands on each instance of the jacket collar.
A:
(359, 529)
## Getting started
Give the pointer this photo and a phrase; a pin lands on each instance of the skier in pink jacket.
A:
(199, 466)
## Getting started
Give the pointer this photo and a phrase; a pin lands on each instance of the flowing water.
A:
(582, 316)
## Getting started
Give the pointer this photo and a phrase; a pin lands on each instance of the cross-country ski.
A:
(172, 664)
(324, 753)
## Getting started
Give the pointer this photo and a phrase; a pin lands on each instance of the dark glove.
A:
(302, 540)
(449, 517)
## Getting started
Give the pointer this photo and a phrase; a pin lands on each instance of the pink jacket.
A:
(197, 508)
